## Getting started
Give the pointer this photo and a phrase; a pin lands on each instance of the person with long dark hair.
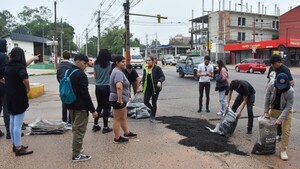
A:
(153, 77)
(119, 96)
(17, 87)
(222, 83)
(102, 68)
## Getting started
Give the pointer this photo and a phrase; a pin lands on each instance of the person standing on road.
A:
(17, 88)
(246, 96)
(279, 100)
(102, 68)
(133, 78)
(152, 80)
(276, 68)
(3, 106)
(119, 96)
(205, 72)
(80, 108)
(222, 84)
(61, 68)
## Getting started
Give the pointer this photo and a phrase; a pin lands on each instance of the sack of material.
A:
(44, 127)
(136, 107)
(266, 144)
(66, 92)
(227, 124)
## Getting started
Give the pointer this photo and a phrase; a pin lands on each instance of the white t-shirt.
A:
(204, 69)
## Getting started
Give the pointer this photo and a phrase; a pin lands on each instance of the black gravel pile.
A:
(198, 135)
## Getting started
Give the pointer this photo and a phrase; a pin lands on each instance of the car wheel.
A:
(251, 70)
(237, 69)
(181, 74)
(262, 72)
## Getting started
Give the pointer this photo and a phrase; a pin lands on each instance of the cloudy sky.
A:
(81, 13)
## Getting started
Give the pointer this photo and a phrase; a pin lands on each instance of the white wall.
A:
(26, 46)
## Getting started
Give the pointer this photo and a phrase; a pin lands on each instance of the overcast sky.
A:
(81, 13)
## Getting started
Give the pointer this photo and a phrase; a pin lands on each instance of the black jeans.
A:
(150, 94)
(65, 114)
(238, 101)
(102, 96)
(202, 86)
(3, 106)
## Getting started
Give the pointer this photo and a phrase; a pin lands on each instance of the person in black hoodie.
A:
(153, 77)
(17, 87)
(80, 107)
(3, 62)
(61, 68)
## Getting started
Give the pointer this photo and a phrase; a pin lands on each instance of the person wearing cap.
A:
(79, 109)
(276, 68)
(279, 100)
(132, 77)
(246, 96)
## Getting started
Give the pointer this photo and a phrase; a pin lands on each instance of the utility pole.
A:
(127, 32)
(156, 46)
(87, 40)
(98, 42)
(192, 29)
(55, 35)
(61, 38)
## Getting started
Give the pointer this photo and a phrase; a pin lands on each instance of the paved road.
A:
(156, 147)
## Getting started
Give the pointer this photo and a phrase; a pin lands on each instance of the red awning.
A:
(270, 44)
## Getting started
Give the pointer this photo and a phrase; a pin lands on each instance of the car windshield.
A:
(136, 57)
(198, 60)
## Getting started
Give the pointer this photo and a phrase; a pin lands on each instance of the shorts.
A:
(117, 105)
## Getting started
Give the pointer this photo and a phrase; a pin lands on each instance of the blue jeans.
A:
(15, 128)
(222, 100)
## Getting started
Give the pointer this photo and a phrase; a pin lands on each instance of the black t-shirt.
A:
(132, 76)
(245, 89)
(276, 103)
(281, 69)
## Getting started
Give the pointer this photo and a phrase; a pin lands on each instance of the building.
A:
(287, 44)
(216, 29)
(21, 37)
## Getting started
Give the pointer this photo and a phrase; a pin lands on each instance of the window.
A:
(241, 21)
(275, 25)
(241, 36)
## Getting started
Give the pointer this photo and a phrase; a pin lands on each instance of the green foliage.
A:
(7, 22)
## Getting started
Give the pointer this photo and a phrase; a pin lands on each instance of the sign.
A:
(52, 43)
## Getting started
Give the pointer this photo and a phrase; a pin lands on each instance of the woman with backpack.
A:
(222, 84)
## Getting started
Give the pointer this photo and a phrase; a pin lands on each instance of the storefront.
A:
(289, 49)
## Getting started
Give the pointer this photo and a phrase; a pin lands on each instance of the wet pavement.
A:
(155, 147)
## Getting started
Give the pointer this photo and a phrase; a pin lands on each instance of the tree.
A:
(112, 39)
(7, 22)
(153, 43)
(40, 14)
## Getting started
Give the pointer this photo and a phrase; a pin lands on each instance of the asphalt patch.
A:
(198, 136)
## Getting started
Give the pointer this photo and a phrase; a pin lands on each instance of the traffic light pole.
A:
(127, 32)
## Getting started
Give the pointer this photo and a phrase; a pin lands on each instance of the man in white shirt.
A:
(205, 72)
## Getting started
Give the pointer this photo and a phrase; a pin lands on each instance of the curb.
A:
(36, 90)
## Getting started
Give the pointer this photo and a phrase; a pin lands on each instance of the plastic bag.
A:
(266, 143)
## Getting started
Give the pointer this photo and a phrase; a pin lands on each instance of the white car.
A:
(169, 60)
(137, 61)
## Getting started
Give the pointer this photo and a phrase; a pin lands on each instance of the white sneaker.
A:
(220, 113)
(283, 155)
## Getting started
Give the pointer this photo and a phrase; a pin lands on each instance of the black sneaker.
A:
(130, 135)
(96, 128)
(199, 110)
(121, 140)
(106, 130)
(207, 110)
(8, 136)
(249, 131)
(81, 157)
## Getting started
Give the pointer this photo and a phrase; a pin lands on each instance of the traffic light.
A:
(208, 44)
(158, 18)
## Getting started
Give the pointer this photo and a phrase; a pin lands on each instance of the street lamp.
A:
(55, 35)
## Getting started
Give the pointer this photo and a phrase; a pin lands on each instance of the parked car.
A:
(91, 62)
(251, 66)
(137, 61)
(168, 60)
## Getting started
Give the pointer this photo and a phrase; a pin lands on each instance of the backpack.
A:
(66, 92)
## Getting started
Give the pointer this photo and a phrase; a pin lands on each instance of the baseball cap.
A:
(282, 81)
